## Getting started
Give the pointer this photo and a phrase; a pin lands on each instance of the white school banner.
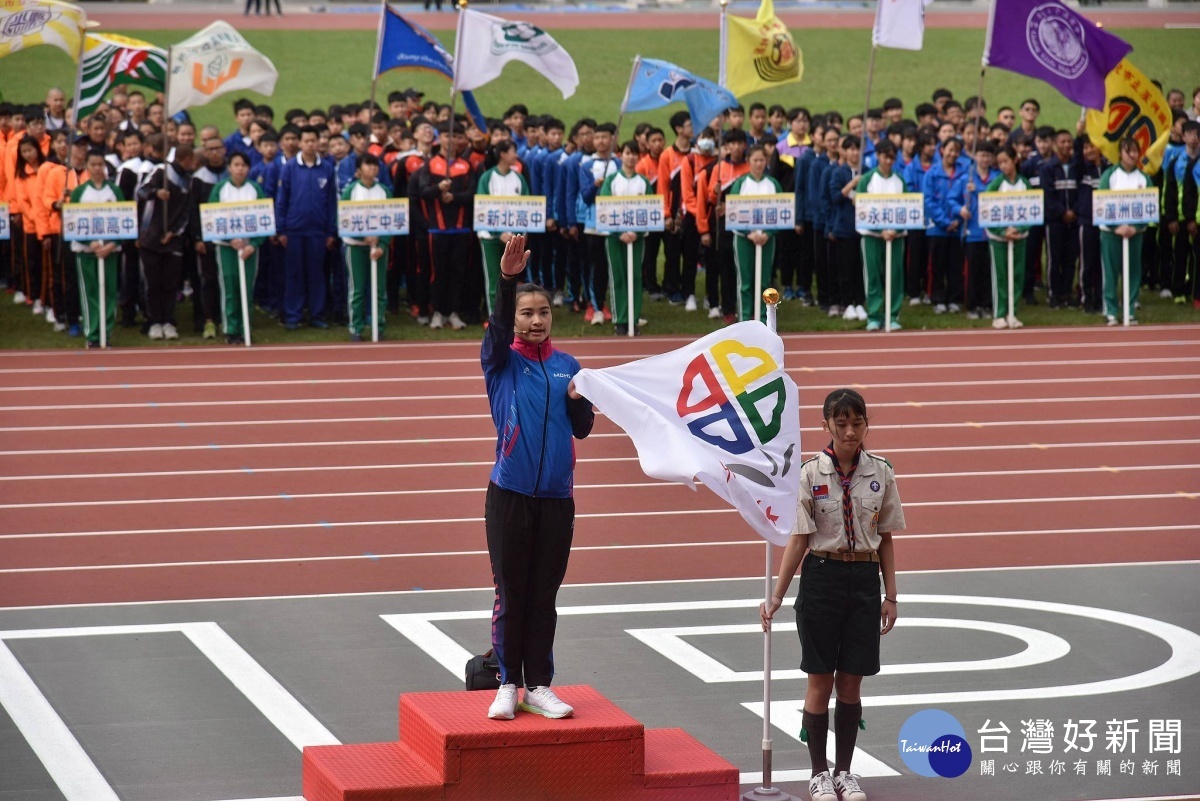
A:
(640, 213)
(1125, 206)
(220, 222)
(900, 212)
(88, 222)
(1011, 209)
(900, 24)
(4, 223)
(760, 212)
(525, 214)
(215, 61)
(721, 411)
(361, 218)
(486, 43)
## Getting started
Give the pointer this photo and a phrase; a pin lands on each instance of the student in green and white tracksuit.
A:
(755, 182)
(1009, 180)
(359, 253)
(98, 189)
(882, 181)
(503, 180)
(237, 188)
(1124, 175)
(625, 183)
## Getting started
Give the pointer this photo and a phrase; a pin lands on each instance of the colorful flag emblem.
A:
(112, 60)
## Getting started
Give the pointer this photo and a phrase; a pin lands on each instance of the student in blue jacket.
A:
(848, 267)
(305, 210)
(815, 204)
(530, 512)
(943, 227)
(916, 249)
(979, 260)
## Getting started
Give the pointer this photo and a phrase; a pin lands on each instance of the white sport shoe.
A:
(914, 301)
(714, 312)
(848, 788)
(156, 331)
(169, 331)
(543, 701)
(456, 322)
(1165, 294)
(437, 320)
(60, 327)
(50, 318)
(860, 312)
(1111, 320)
(598, 319)
(1013, 322)
(38, 308)
(690, 304)
(19, 297)
(835, 310)
(851, 313)
(505, 705)
(820, 788)
(940, 308)
(955, 308)
(999, 323)
(558, 299)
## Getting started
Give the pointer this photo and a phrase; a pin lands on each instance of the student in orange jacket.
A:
(22, 190)
(693, 168)
(714, 184)
(57, 179)
(647, 167)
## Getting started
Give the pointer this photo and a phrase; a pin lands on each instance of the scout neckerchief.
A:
(847, 506)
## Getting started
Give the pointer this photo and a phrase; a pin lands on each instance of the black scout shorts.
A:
(837, 616)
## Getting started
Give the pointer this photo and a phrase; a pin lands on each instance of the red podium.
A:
(449, 751)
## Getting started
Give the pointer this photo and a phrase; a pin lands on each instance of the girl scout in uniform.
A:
(849, 507)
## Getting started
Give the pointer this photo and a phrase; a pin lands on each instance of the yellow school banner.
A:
(759, 53)
(1135, 108)
(28, 23)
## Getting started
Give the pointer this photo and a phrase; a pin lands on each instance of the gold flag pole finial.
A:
(771, 296)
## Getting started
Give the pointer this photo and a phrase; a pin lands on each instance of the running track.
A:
(157, 473)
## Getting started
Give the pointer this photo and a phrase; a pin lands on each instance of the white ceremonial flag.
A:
(486, 43)
(721, 410)
(899, 24)
(216, 60)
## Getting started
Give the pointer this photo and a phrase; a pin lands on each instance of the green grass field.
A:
(319, 68)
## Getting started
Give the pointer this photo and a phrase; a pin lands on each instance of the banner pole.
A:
(887, 286)
(374, 301)
(1012, 302)
(378, 51)
(637, 61)
(766, 792)
(1125, 280)
(867, 107)
(758, 289)
(245, 302)
(630, 317)
(103, 307)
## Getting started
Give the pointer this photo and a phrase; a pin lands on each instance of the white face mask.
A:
(706, 146)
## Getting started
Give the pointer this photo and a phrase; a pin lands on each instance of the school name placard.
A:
(638, 213)
(1011, 209)
(760, 212)
(362, 218)
(899, 212)
(4, 222)
(220, 222)
(87, 222)
(518, 214)
(1124, 206)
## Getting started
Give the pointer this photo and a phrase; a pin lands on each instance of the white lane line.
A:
(491, 438)
(393, 363)
(808, 387)
(860, 369)
(1110, 399)
(245, 471)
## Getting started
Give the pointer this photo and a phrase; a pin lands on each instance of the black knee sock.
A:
(845, 730)
(817, 727)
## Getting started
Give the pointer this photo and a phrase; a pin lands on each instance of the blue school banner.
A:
(405, 45)
(659, 83)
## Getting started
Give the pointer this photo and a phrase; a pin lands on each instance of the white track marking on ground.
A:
(617, 357)
(808, 387)
(414, 418)
(858, 369)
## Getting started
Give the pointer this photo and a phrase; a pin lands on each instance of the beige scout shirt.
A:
(873, 494)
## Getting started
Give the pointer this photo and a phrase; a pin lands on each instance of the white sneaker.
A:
(999, 323)
(851, 313)
(690, 305)
(1111, 320)
(895, 326)
(1013, 322)
(642, 321)
(598, 318)
(914, 301)
(543, 701)
(860, 313)
(1133, 321)
(707, 305)
(187, 289)
(940, 308)
(714, 312)
(437, 320)
(156, 331)
(955, 308)
(422, 319)
(505, 705)
(169, 332)
(50, 318)
(456, 322)
(848, 788)
(1165, 294)
(19, 297)
(972, 315)
(820, 788)
(60, 327)
(38, 308)
(558, 299)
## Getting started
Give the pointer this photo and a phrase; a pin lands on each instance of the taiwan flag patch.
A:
(820, 491)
